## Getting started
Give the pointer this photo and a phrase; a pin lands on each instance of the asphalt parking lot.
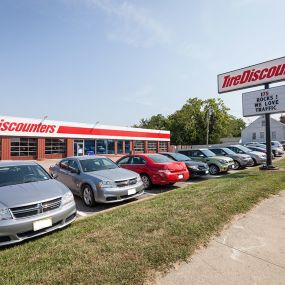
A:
(84, 211)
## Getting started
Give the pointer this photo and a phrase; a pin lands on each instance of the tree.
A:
(189, 124)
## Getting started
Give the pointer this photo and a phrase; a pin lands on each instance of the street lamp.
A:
(44, 118)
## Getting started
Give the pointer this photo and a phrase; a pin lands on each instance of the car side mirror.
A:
(54, 175)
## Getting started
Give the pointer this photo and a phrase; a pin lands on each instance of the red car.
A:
(155, 168)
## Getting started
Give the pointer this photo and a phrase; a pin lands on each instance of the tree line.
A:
(190, 124)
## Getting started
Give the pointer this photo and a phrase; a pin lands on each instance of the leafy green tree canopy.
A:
(189, 125)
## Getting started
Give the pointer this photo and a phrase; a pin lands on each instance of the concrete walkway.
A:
(251, 251)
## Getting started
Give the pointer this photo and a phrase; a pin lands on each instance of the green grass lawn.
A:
(129, 244)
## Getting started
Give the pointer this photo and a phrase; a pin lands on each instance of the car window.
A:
(124, 160)
(207, 153)
(185, 152)
(196, 153)
(73, 164)
(216, 151)
(96, 164)
(179, 157)
(64, 164)
(12, 175)
(160, 158)
(137, 160)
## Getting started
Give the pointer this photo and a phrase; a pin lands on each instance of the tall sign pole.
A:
(268, 136)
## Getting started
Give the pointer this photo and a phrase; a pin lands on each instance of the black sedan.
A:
(195, 168)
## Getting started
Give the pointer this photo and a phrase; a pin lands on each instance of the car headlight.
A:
(139, 178)
(105, 184)
(222, 161)
(67, 198)
(5, 214)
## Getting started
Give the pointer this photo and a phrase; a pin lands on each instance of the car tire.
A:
(214, 169)
(236, 165)
(146, 181)
(88, 195)
(254, 161)
(274, 153)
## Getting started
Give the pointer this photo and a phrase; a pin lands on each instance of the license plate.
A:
(41, 224)
(131, 191)
(180, 176)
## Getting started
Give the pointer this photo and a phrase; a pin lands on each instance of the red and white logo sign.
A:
(267, 72)
(10, 126)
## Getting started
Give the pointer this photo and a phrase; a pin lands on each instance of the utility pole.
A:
(209, 111)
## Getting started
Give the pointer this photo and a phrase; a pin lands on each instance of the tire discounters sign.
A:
(265, 101)
(266, 72)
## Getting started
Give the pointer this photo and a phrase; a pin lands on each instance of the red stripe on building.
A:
(111, 133)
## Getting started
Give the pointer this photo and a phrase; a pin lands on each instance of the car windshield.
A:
(243, 148)
(96, 164)
(179, 157)
(20, 174)
(228, 151)
(208, 152)
(160, 158)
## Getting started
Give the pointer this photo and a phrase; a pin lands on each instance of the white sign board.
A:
(266, 72)
(265, 101)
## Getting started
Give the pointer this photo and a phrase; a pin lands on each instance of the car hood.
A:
(113, 174)
(195, 163)
(29, 193)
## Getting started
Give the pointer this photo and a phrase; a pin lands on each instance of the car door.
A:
(138, 164)
(124, 163)
(62, 171)
(198, 155)
(73, 181)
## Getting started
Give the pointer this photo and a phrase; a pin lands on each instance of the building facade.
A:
(23, 138)
(255, 132)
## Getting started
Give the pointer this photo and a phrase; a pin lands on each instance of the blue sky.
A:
(119, 61)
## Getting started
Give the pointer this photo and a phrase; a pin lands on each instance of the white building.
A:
(255, 132)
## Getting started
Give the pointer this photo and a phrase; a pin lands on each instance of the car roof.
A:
(84, 157)
(16, 163)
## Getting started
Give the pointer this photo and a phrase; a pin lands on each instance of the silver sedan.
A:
(31, 202)
(97, 179)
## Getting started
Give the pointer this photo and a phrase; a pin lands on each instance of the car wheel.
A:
(214, 169)
(88, 196)
(146, 181)
(274, 153)
(254, 161)
(236, 165)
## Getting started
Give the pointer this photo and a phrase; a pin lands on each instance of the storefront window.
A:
(152, 146)
(111, 147)
(139, 146)
(89, 147)
(120, 147)
(55, 146)
(23, 147)
(127, 147)
(163, 146)
(101, 146)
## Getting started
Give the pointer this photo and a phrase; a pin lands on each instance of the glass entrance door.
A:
(79, 148)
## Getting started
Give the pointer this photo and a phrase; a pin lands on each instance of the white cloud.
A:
(132, 25)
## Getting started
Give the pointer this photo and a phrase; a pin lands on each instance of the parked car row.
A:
(276, 147)
(34, 202)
